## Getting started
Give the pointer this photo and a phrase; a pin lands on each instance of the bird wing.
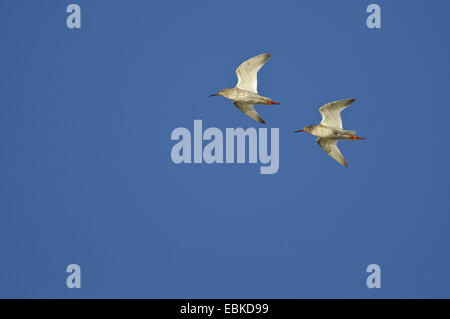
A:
(331, 148)
(246, 72)
(331, 112)
(249, 110)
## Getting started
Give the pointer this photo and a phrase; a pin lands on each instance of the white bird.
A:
(330, 130)
(245, 94)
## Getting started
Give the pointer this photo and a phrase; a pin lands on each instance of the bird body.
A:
(238, 95)
(331, 132)
(330, 129)
(245, 94)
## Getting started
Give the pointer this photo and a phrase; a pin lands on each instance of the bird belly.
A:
(247, 97)
(326, 132)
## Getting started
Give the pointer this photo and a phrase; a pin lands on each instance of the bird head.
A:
(223, 92)
(307, 128)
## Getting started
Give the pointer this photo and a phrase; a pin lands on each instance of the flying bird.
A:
(330, 130)
(245, 94)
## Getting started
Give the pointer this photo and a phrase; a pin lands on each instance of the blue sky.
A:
(87, 178)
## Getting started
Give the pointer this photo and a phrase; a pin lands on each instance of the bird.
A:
(330, 129)
(245, 94)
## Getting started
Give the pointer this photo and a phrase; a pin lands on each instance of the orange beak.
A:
(214, 94)
(302, 130)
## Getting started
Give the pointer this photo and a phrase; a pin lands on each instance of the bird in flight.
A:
(245, 94)
(330, 130)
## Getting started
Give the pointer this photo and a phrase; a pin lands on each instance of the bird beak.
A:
(214, 94)
(302, 130)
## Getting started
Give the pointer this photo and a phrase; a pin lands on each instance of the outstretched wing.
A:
(331, 148)
(249, 109)
(247, 72)
(331, 112)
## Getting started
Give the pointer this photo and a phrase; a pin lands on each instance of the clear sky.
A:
(86, 175)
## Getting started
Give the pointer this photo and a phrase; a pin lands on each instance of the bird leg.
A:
(272, 102)
(354, 137)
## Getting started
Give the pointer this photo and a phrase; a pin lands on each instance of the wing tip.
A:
(349, 101)
(265, 55)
